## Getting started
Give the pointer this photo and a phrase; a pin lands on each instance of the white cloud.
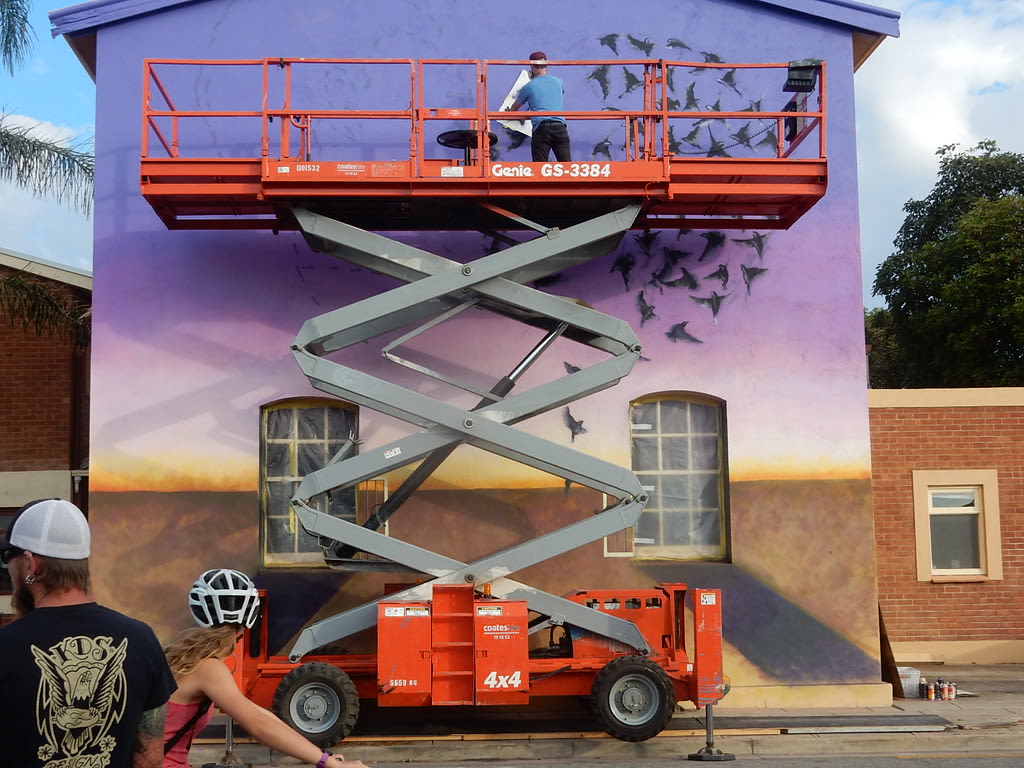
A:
(955, 75)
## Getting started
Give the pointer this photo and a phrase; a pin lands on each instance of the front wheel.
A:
(633, 698)
(319, 701)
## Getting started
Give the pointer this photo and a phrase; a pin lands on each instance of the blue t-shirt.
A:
(544, 93)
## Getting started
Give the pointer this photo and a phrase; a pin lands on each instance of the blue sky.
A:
(955, 75)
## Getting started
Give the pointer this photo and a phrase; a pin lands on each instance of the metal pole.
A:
(709, 752)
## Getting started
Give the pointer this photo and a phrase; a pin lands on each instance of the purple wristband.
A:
(322, 762)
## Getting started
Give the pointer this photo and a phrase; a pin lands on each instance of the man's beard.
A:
(22, 599)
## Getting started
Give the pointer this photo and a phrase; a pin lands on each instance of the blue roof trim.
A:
(869, 18)
(85, 16)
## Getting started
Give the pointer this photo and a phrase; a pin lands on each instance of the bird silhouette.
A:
(624, 264)
(673, 255)
(515, 138)
(603, 147)
(714, 240)
(714, 302)
(632, 82)
(600, 76)
(692, 102)
(721, 274)
(685, 280)
(717, 148)
(670, 78)
(708, 58)
(646, 241)
(742, 136)
(610, 41)
(754, 106)
(575, 425)
(750, 274)
(675, 42)
(645, 46)
(729, 80)
(755, 241)
(770, 140)
(692, 138)
(674, 146)
(570, 368)
(678, 332)
(646, 309)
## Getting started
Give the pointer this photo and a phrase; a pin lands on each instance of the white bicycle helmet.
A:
(223, 596)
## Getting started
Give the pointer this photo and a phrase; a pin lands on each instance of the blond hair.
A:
(197, 644)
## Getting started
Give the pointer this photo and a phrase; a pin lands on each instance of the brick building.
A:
(44, 402)
(948, 492)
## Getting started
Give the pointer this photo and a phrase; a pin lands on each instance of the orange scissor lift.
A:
(312, 158)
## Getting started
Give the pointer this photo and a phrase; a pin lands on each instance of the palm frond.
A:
(16, 34)
(33, 304)
(46, 168)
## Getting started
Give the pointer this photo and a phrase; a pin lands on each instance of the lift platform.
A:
(417, 164)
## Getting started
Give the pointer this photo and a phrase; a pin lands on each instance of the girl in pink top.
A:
(225, 602)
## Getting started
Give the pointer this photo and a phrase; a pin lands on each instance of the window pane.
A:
(312, 456)
(645, 453)
(705, 452)
(676, 492)
(279, 424)
(953, 497)
(707, 491)
(341, 422)
(645, 414)
(704, 418)
(673, 417)
(679, 528)
(675, 453)
(277, 460)
(708, 530)
(311, 424)
(955, 542)
(652, 487)
(280, 536)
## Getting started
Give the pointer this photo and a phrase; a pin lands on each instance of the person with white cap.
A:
(82, 684)
(544, 93)
(224, 603)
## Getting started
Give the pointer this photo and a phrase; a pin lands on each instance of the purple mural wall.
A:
(192, 333)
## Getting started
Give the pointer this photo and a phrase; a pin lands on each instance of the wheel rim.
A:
(315, 707)
(634, 699)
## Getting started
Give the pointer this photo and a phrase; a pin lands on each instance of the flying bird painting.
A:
(575, 425)
(678, 332)
(610, 41)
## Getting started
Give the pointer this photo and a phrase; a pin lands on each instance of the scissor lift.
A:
(575, 212)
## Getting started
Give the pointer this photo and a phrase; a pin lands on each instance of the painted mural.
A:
(192, 335)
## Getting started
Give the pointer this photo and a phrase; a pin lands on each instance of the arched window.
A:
(297, 437)
(678, 452)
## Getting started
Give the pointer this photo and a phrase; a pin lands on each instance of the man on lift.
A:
(544, 93)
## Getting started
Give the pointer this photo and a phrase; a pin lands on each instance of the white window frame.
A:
(678, 551)
(986, 485)
(311, 559)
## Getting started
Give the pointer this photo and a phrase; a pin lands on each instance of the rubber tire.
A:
(633, 698)
(319, 701)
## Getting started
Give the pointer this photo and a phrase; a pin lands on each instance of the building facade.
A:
(744, 419)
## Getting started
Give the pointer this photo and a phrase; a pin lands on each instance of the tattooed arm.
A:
(149, 746)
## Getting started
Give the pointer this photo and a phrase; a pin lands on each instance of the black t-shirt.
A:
(74, 681)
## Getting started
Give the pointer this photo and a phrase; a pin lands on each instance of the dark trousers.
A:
(551, 134)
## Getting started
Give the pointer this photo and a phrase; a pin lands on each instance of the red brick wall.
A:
(904, 439)
(37, 377)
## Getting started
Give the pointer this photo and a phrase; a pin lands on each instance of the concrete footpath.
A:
(987, 717)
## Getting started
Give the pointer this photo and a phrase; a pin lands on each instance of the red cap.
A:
(538, 57)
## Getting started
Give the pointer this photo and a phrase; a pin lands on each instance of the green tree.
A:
(886, 367)
(954, 288)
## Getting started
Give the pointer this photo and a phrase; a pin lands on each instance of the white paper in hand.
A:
(522, 126)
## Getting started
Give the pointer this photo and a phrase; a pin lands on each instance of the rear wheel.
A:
(319, 701)
(633, 698)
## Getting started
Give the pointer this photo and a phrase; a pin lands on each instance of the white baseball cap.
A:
(51, 527)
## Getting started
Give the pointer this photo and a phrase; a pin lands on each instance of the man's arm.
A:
(149, 745)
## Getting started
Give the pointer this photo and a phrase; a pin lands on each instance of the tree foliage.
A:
(954, 288)
(34, 305)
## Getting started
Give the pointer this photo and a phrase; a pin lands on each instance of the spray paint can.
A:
(952, 691)
(922, 688)
(931, 691)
